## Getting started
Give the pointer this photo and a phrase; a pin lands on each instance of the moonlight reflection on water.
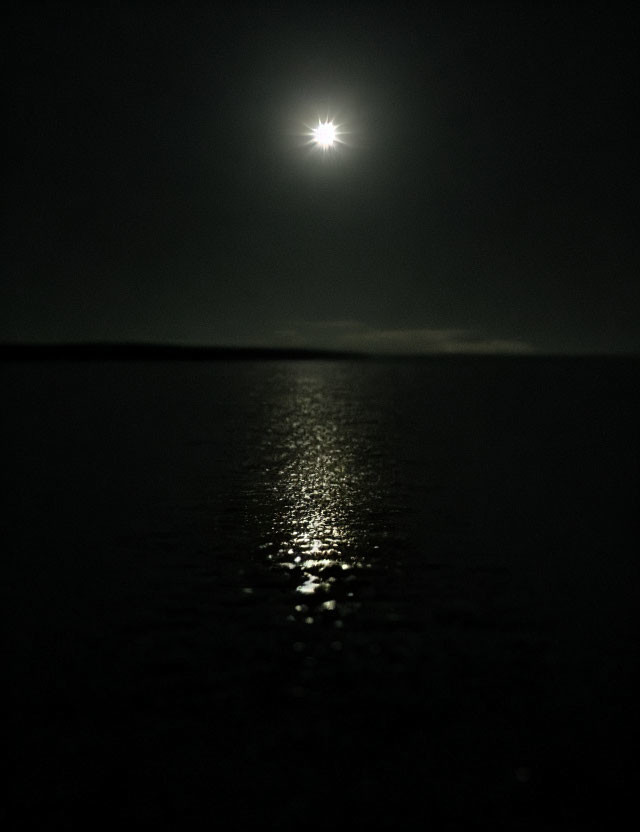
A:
(323, 482)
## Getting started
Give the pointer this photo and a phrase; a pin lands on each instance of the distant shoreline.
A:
(176, 352)
(159, 352)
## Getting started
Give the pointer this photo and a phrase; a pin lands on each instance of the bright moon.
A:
(325, 134)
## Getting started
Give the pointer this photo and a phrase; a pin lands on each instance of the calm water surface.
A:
(397, 591)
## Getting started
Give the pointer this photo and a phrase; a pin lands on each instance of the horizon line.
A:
(154, 350)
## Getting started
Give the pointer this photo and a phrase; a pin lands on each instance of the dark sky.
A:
(484, 199)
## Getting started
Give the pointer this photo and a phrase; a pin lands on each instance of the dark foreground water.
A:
(321, 594)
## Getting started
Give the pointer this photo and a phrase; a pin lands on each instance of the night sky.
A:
(159, 188)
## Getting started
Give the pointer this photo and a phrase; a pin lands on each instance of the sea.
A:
(312, 594)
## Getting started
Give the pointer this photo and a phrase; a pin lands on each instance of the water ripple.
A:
(322, 481)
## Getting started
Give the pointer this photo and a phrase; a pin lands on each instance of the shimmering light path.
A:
(324, 479)
(319, 487)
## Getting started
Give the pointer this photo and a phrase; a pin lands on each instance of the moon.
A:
(325, 135)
